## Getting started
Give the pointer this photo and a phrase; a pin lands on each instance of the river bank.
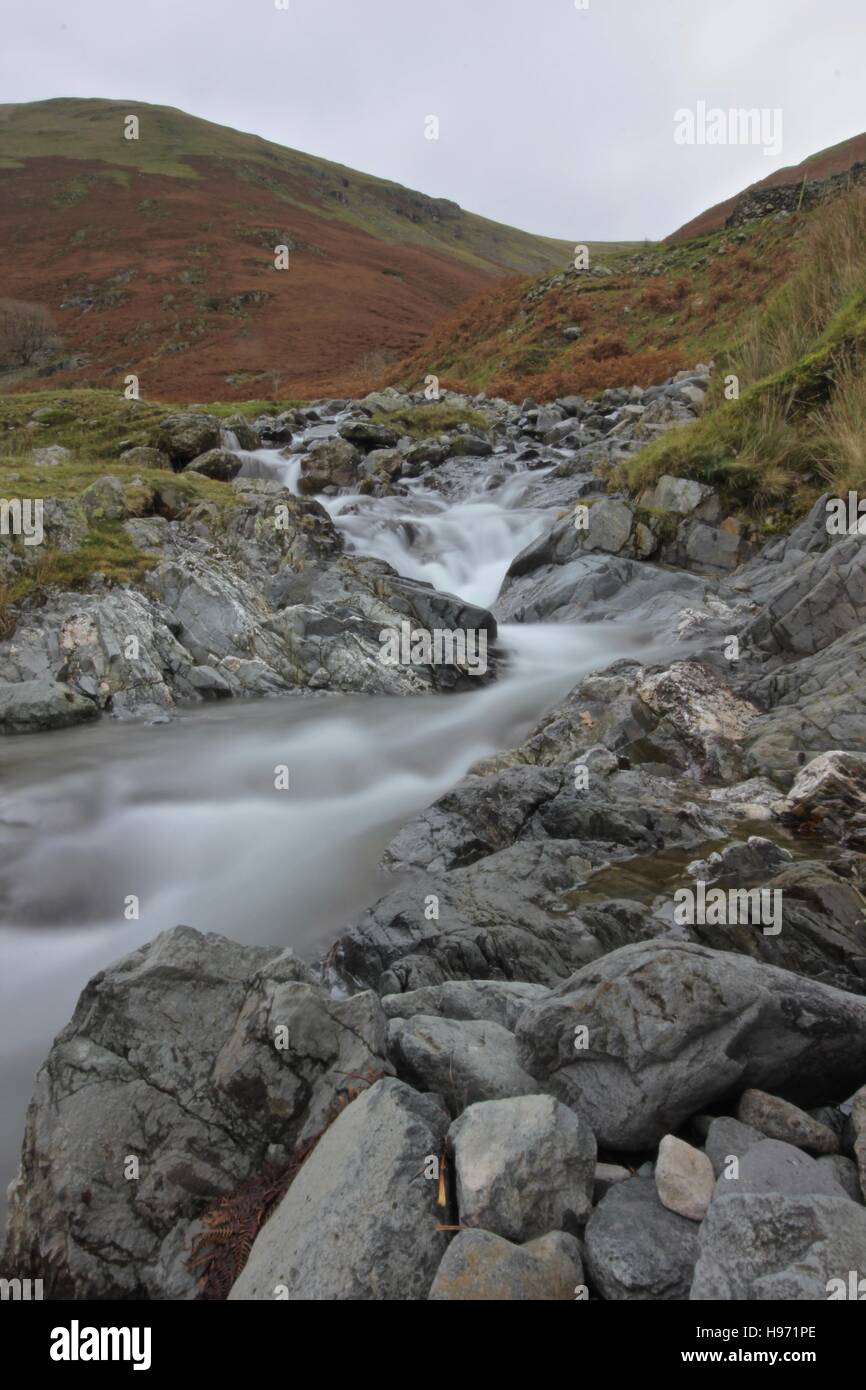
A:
(468, 967)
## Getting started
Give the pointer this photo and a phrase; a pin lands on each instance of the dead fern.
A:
(232, 1222)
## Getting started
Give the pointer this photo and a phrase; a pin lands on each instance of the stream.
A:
(185, 815)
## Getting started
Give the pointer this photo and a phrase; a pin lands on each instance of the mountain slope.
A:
(838, 159)
(156, 255)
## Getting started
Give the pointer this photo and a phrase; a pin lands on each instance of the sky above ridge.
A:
(552, 117)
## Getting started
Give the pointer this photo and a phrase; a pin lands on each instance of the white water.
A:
(186, 817)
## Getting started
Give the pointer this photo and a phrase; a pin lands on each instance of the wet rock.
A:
(29, 706)
(359, 1220)
(522, 1166)
(778, 1119)
(829, 797)
(637, 1250)
(367, 437)
(329, 463)
(480, 1266)
(684, 1178)
(673, 1027)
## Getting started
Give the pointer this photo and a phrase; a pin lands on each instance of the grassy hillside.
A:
(835, 160)
(156, 256)
(179, 146)
(798, 428)
(636, 316)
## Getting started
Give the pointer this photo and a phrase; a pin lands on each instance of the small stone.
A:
(684, 1178)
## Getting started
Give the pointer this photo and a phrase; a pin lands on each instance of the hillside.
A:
(155, 255)
(838, 159)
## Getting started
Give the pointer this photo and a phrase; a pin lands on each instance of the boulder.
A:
(359, 1221)
(219, 464)
(637, 1250)
(522, 1167)
(186, 435)
(463, 1061)
(772, 1166)
(201, 1059)
(367, 436)
(829, 797)
(330, 463)
(479, 1266)
(31, 706)
(727, 1139)
(769, 1246)
(673, 1027)
(141, 456)
(779, 1119)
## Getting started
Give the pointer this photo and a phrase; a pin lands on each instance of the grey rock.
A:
(196, 1055)
(493, 1001)
(219, 464)
(768, 1246)
(186, 435)
(637, 1250)
(359, 1220)
(772, 1166)
(29, 706)
(461, 1060)
(728, 1138)
(673, 1027)
(479, 1266)
(522, 1166)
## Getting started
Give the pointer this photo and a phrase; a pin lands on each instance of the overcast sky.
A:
(552, 118)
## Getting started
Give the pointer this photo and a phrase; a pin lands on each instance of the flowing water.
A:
(186, 816)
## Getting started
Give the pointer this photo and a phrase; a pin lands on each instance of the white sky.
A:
(556, 120)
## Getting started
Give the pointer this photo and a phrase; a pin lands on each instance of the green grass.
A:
(799, 425)
(422, 421)
(172, 143)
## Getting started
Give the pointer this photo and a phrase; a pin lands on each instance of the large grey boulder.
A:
(29, 706)
(198, 1058)
(673, 1027)
(329, 463)
(769, 1246)
(479, 1266)
(464, 1061)
(359, 1221)
(637, 1250)
(522, 1166)
(186, 435)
